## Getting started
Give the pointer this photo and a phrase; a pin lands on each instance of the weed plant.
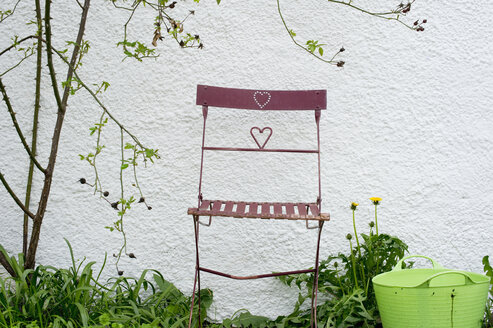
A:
(74, 297)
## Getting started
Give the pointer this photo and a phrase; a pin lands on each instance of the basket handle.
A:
(398, 266)
(429, 279)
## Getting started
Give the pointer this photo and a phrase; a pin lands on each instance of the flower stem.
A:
(356, 235)
(354, 264)
(376, 221)
(359, 251)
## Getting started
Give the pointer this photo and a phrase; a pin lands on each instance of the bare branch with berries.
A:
(316, 49)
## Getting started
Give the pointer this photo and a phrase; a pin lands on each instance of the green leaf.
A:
(321, 51)
(83, 314)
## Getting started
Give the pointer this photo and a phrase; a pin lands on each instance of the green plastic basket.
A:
(430, 298)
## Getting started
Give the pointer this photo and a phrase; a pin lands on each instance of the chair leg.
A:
(313, 318)
(197, 273)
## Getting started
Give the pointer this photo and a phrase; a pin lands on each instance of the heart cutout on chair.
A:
(261, 131)
(261, 98)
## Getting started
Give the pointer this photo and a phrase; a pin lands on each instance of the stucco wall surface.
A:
(409, 119)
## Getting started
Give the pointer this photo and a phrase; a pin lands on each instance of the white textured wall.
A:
(409, 119)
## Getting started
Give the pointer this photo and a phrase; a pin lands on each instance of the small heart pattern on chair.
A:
(261, 131)
(261, 98)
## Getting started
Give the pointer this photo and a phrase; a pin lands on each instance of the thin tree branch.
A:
(27, 200)
(123, 210)
(17, 127)
(97, 181)
(16, 65)
(17, 43)
(296, 42)
(93, 94)
(14, 196)
(389, 15)
(11, 13)
(75, 54)
(49, 56)
(88, 89)
(383, 15)
(5, 263)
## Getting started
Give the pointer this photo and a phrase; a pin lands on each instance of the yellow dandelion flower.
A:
(376, 200)
(354, 205)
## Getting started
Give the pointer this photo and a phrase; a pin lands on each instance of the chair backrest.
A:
(263, 100)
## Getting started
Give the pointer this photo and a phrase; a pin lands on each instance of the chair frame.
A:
(262, 100)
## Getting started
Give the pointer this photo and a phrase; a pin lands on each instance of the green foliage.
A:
(345, 281)
(5, 14)
(488, 317)
(74, 297)
(313, 45)
(136, 49)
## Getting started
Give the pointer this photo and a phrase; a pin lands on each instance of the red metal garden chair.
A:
(262, 100)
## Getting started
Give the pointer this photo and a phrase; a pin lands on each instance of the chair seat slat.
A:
(265, 209)
(290, 209)
(277, 209)
(228, 208)
(252, 209)
(302, 209)
(240, 209)
(314, 210)
(205, 204)
(216, 207)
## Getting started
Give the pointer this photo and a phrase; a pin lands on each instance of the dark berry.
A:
(142, 199)
(425, 21)
(340, 63)
(416, 22)
(82, 180)
(342, 49)
(120, 272)
(105, 194)
(172, 5)
(149, 208)
(182, 44)
(132, 256)
(115, 205)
